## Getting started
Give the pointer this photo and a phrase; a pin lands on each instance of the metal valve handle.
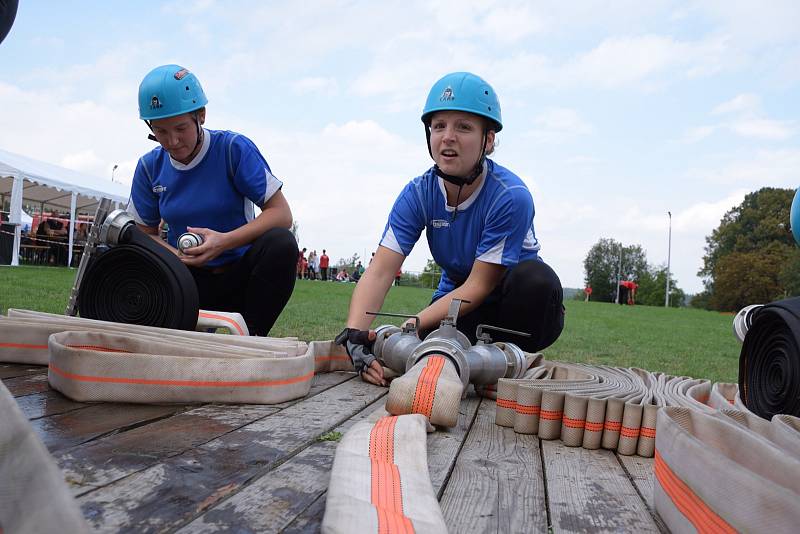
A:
(486, 338)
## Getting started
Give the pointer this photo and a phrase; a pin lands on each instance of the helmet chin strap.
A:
(460, 181)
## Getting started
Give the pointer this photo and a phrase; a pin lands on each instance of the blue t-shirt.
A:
(494, 225)
(218, 189)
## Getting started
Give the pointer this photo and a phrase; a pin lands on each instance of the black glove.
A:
(358, 346)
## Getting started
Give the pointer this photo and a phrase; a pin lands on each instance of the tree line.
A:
(751, 257)
(609, 261)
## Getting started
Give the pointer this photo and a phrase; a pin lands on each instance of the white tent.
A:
(54, 186)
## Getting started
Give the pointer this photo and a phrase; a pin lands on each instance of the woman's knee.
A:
(534, 279)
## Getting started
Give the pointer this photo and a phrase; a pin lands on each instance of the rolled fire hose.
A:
(769, 364)
(33, 496)
(137, 281)
(100, 361)
(380, 481)
(599, 406)
(717, 473)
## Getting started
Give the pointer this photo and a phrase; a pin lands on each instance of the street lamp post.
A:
(619, 272)
(669, 254)
(112, 171)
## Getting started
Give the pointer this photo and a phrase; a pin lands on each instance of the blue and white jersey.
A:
(494, 225)
(218, 189)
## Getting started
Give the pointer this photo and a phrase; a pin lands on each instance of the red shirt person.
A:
(324, 261)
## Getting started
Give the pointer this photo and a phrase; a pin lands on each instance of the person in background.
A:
(397, 277)
(478, 219)
(588, 292)
(323, 264)
(301, 264)
(341, 276)
(209, 182)
(312, 265)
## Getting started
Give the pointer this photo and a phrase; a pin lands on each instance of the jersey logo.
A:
(440, 223)
(159, 189)
(447, 95)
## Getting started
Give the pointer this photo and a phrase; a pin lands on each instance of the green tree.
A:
(652, 287)
(603, 262)
(743, 278)
(431, 274)
(747, 254)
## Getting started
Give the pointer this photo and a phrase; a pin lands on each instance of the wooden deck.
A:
(251, 468)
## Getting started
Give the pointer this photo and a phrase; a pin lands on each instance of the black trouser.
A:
(258, 285)
(324, 271)
(528, 299)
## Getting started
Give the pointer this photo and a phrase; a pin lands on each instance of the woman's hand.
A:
(214, 244)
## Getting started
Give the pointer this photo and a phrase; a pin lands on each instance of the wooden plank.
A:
(640, 471)
(25, 385)
(273, 501)
(72, 428)
(443, 448)
(590, 492)
(496, 485)
(47, 403)
(445, 443)
(12, 370)
(310, 520)
(105, 460)
(171, 493)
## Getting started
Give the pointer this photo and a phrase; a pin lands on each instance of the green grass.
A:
(677, 341)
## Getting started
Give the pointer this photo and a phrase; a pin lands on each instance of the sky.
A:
(615, 113)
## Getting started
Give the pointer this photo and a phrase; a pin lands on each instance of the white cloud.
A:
(743, 103)
(698, 133)
(558, 124)
(764, 129)
(776, 168)
(84, 161)
(316, 84)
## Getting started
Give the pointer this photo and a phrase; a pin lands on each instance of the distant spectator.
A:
(588, 292)
(323, 265)
(313, 261)
(359, 268)
(301, 264)
(342, 276)
(356, 276)
(397, 277)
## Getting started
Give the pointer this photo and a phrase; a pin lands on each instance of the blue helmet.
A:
(168, 91)
(464, 91)
(794, 217)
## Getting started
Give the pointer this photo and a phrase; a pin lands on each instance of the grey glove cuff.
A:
(360, 355)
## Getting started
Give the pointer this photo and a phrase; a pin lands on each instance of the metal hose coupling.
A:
(400, 349)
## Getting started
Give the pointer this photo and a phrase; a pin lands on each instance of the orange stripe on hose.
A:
(573, 423)
(506, 403)
(647, 432)
(629, 432)
(426, 386)
(385, 485)
(184, 383)
(612, 426)
(527, 410)
(687, 502)
(224, 319)
(22, 346)
(551, 415)
(593, 427)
